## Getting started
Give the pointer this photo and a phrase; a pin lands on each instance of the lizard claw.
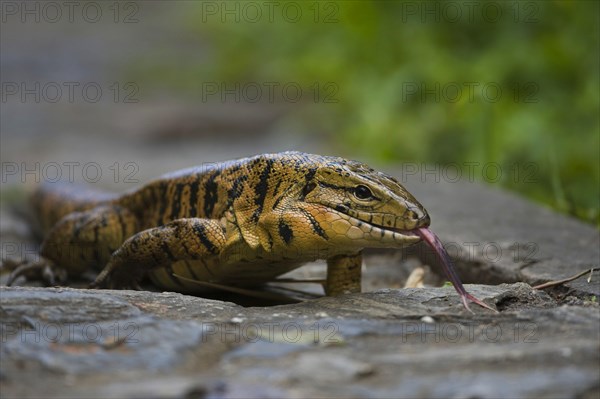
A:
(110, 278)
(41, 270)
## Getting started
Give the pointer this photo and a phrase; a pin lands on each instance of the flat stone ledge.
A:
(387, 343)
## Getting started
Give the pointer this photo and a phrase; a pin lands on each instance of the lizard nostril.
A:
(420, 218)
(414, 215)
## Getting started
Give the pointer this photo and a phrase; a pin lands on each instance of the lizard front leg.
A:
(343, 274)
(179, 240)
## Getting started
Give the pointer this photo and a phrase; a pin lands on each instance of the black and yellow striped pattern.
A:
(239, 222)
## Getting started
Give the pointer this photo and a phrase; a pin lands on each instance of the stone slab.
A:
(386, 343)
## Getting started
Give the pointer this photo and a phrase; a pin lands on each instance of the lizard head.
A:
(359, 207)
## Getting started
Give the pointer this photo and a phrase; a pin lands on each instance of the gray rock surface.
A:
(388, 343)
(385, 342)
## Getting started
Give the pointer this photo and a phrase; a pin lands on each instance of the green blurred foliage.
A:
(386, 57)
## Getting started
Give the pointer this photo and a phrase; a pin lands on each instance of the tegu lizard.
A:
(232, 224)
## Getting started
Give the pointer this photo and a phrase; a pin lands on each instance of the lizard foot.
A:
(112, 277)
(112, 285)
(39, 270)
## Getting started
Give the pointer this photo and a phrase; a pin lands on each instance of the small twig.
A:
(565, 280)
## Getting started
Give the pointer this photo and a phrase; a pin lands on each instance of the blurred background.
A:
(116, 93)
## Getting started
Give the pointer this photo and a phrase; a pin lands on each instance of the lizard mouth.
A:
(403, 232)
(406, 236)
(375, 232)
(407, 233)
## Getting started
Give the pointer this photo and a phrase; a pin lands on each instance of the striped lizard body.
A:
(236, 223)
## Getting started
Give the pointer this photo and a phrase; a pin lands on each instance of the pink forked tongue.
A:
(434, 242)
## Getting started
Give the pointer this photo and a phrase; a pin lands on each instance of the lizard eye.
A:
(362, 192)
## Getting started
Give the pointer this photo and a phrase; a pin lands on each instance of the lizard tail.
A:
(51, 201)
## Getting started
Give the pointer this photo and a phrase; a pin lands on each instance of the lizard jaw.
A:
(371, 235)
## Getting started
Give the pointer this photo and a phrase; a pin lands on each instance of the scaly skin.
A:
(236, 223)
